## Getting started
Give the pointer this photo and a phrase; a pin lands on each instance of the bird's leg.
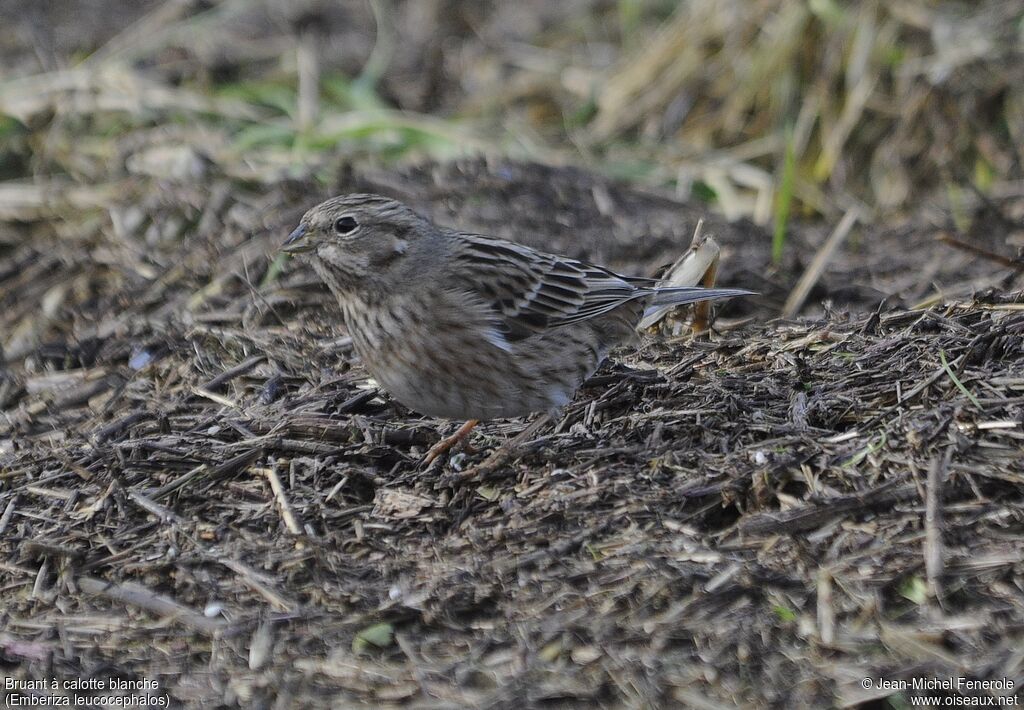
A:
(449, 441)
(508, 449)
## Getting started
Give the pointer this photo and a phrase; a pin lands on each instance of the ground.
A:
(199, 488)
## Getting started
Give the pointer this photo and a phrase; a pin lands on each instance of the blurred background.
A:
(767, 109)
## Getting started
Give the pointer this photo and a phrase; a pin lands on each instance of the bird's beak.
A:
(296, 241)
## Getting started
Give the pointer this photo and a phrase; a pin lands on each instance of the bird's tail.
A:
(666, 298)
(679, 295)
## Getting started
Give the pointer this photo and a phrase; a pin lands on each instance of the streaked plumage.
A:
(467, 326)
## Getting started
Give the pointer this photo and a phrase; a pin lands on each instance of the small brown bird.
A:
(466, 326)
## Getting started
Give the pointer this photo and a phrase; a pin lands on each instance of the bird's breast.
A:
(435, 358)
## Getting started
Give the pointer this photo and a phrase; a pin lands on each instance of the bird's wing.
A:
(532, 291)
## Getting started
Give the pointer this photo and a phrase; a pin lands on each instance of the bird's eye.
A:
(345, 225)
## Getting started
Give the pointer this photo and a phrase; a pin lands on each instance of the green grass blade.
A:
(785, 199)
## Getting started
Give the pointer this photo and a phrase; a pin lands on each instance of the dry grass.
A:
(881, 105)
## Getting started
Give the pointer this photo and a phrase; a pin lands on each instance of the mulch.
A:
(199, 487)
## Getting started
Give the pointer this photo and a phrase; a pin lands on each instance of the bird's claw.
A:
(448, 442)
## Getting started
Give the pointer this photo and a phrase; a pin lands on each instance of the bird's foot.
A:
(448, 442)
(499, 456)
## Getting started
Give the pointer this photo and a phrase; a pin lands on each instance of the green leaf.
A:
(264, 135)
(915, 590)
(784, 613)
(379, 635)
(274, 94)
(956, 380)
(342, 92)
(704, 192)
(984, 174)
(9, 126)
(274, 270)
(582, 115)
(488, 492)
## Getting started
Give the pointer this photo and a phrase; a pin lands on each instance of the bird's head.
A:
(359, 237)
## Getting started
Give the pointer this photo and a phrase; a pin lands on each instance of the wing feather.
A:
(532, 291)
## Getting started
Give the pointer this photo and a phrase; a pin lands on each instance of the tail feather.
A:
(678, 295)
(668, 297)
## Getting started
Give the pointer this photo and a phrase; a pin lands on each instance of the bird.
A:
(466, 326)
